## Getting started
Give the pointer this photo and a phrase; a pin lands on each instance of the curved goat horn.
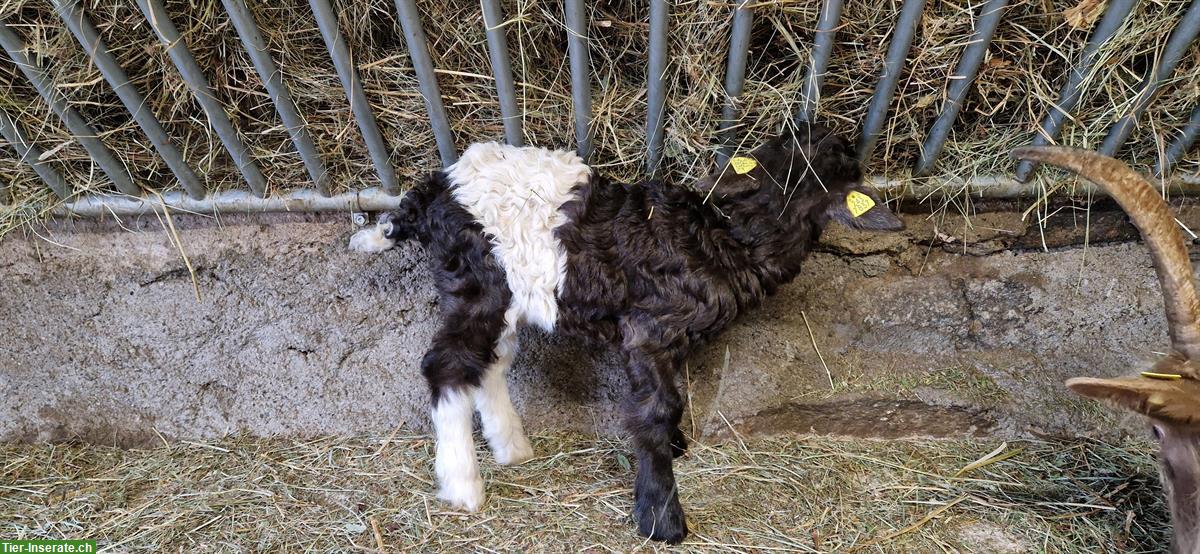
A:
(1154, 220)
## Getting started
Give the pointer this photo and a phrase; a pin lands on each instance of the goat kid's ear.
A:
(859, 208)
(741, 174)
(1175, 401)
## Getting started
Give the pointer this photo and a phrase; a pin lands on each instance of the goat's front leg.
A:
(655, 408)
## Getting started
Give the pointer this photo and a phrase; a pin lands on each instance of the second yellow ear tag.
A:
(742, 165)
(1163, 376)
(858, 203)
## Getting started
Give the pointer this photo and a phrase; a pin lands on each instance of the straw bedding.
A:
(763, 495)
(1018, 81)
(767, 494)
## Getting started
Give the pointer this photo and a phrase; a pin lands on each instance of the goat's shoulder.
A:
(501, 169)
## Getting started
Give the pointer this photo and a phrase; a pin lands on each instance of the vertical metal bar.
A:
(1181, 38)
(156, 15)
(960, 83)
(827, 24)
(656, 93)
(493, 20)
(418, 49)
(581, 74)
(893, 65)
(735, 77)
(87, 35)
(256, 47)
(31, 154)
(1072, 90)
(75, 123)
(348, 73)
(1180, 147)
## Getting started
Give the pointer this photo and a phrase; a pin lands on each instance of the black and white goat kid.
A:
(532, 236)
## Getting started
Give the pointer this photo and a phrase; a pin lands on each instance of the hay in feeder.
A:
(1018, 82)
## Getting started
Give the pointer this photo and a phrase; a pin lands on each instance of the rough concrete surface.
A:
(955, 327)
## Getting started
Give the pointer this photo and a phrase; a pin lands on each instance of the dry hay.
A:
(780, 494)
(1020, 78)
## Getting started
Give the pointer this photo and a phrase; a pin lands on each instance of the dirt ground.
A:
(283, 411)
(954, 328)
(751, 495)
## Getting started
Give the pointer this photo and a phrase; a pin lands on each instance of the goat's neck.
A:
(1185, 520)
(1180, 459)
(756, 249)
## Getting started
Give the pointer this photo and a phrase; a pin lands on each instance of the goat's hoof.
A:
(679, 443)
(515, 452)
(465, 495)
(661, 521)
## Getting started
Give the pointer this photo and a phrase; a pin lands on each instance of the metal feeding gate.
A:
(194, 198)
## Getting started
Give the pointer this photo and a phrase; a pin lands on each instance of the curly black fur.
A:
(659, 270)
(471, 284)
(653, 270)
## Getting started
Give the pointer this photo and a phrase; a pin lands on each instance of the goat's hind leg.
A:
(459, 482)
(454, 367)
(501, 424)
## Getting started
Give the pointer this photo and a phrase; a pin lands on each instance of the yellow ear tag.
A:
(858, 203)
(1162, 376)
(742, 165)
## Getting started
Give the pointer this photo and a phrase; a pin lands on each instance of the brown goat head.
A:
(1169, 392)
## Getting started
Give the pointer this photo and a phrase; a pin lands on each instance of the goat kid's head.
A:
(1169, 393)
(806, 173)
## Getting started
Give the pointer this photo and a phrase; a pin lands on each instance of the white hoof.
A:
(372, 240)
(514, 452)
(463, 494)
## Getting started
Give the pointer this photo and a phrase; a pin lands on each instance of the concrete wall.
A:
(954, 327)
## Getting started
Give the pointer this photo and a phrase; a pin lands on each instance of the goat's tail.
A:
(407, 221)
(1150, 214)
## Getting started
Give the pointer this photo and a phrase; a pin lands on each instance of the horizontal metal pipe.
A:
(347, 72)
(960, 83)
(29, 153)
(418, 50)
(889, 78)
(87, 35)
(1181, 38)
(1183, 143)
(827, 24)
(581, 74)
(1068, 97)
(493, 21)
(233, 201)
(156, 15)
(735, 78)
(656, 88)
(79, 128)
(375, 199)
(277, 89)
(1003, 186)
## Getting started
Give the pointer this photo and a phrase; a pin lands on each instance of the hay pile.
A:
(783, 494)
(1018, 82)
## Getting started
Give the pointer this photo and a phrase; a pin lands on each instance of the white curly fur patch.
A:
(515, 193)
